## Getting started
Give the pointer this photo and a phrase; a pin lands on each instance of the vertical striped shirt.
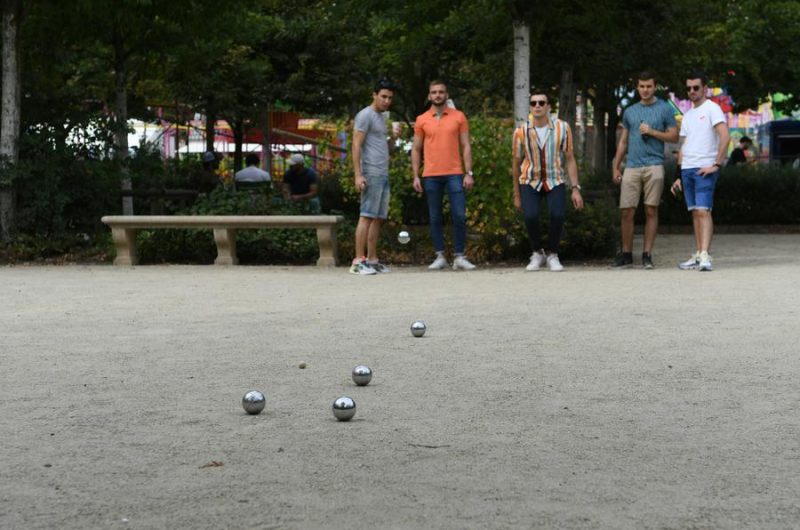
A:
(543, 168)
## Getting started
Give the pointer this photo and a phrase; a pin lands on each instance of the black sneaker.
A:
(647, 261)
(624, 260)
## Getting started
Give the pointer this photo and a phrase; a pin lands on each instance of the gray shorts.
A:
(375, 198)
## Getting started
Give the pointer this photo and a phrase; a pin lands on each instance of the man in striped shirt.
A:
(543, 157)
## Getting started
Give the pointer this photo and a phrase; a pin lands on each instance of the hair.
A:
(745, 139)
(698, 74)
(384, 84)
(252, 159)
(646, 75)
(536, 91)
(437, 82)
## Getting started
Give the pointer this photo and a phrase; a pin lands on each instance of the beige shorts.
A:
(634, 179)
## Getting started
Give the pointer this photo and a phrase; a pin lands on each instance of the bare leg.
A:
(372, 239)
(650, 227)
(626, 228)
(698, 229)
(706, 230)
(362, 229)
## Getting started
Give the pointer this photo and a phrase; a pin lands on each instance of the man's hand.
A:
(617, 177)
(468, 182)
(676, 187)
(577, 200)
(417, 185)
(644, 129)
(361, 183)
(707, 170)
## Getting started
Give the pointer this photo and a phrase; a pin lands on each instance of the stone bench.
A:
(125, 227)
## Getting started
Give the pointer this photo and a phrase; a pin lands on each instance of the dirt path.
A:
(587, 399)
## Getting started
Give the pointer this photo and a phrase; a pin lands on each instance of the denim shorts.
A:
(698, 190)
(375, 198)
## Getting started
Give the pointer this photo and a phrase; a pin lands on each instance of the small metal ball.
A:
(253, 402)
(344, 408)
(403, 237)
(362, 375)
(418, 328)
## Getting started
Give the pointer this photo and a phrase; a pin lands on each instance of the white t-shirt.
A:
(252, 174)
(541, 135)
(701, 143)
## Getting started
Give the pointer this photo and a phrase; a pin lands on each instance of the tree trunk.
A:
(567, 94)
(611, 134)
(238, 138)
(599, 121)
(10, 117)
(121, 118)
(266, 143)
(522, 71)
(211, 122)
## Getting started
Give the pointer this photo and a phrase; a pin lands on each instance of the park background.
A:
(83, 80)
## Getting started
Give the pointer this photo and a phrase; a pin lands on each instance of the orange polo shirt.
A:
(441, 148)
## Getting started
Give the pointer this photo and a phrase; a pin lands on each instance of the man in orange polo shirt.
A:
(441, 134)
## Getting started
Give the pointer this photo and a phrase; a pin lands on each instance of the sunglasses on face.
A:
(693, 88)
(538, 103)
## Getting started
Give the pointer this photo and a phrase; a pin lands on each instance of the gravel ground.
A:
(589, 399)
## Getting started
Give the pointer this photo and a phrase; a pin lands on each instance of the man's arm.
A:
(466, 154)
(677, 186)
(416, 157)
(724, 140)
(669, 136)
(358, 141)
(515, 169)
(572, 171)
(622, 148)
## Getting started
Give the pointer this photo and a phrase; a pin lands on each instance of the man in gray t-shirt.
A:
(647, 125)
(371, 168)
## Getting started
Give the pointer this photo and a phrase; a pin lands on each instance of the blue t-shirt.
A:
(646, 150)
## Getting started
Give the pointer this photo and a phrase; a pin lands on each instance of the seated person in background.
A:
(252, 173)
(208, 179)
(740, 154)
(300, 183)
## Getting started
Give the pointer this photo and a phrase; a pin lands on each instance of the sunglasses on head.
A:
(538, 102)
(693, 88)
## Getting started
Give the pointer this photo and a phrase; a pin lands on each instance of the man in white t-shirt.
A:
(252, 173)
(704, 148)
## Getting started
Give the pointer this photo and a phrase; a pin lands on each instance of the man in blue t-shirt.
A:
(647, 125)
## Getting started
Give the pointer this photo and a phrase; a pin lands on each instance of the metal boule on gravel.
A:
(362, 375)
(344, 408)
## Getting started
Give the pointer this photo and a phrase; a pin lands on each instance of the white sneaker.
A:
(439, 263)
(537, 260)
(691, 263)
(554, 264)
(462, 263)
(705, 262)
(379, 267)
(361, 267)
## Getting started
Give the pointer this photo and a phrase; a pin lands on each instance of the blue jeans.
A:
(435, 188)
(698, 190)
(556, 204)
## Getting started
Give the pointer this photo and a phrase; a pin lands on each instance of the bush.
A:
(746, 195)
(272, 246)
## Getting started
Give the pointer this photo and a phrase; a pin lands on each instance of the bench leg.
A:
(125, 242)
(225, 238)
(326, 236)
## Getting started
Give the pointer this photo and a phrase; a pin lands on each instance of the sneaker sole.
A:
(626, 266)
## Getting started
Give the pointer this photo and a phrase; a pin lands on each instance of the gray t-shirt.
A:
(374, 150)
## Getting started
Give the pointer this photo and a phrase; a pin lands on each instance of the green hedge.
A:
(745, 195)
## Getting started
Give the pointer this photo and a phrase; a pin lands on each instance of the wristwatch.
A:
(718, 165)
(577, 187)
(469, 173)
